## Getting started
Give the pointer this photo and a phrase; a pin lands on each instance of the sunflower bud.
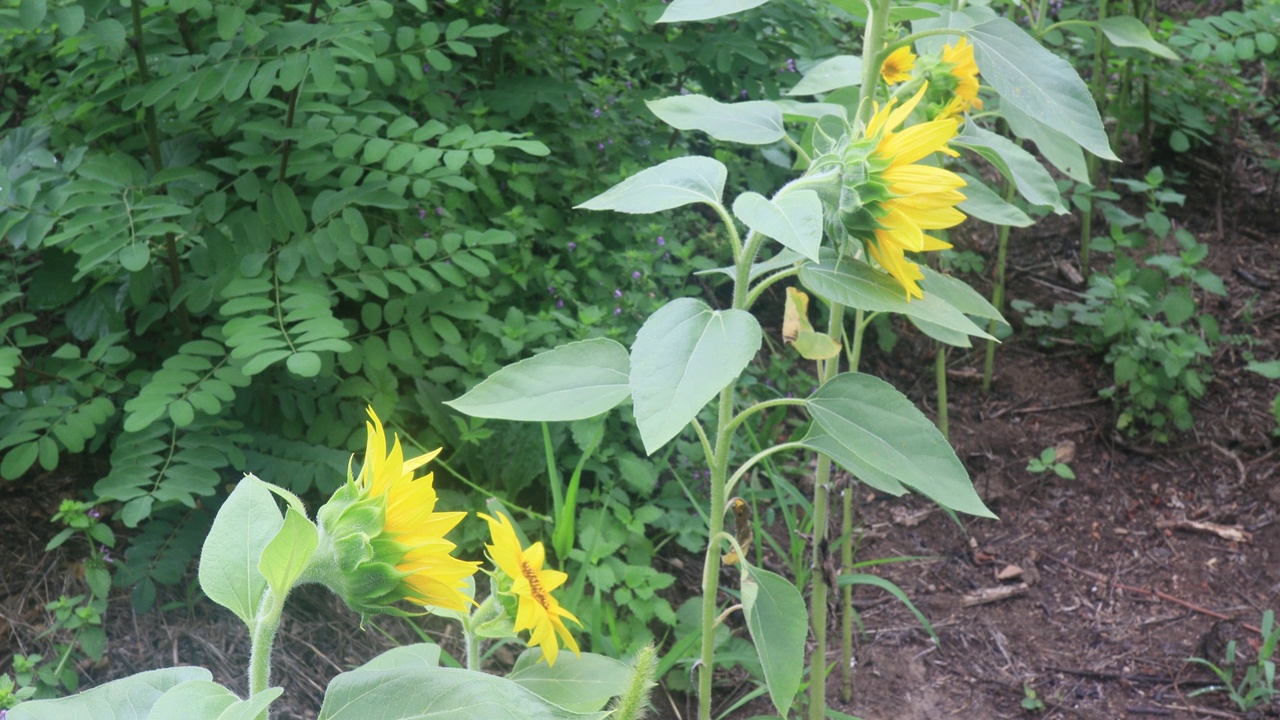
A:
(381, 541)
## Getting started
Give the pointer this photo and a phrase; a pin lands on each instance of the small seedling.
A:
(1030, 701)
(1049, 460)
(1258, 686)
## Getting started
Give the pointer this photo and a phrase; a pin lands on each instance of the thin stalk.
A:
(940, 376)
(473, 649)
(293, 104)
(846, 543)
(152, 131)
(711, 564)
(872, 42)
(1099, 90)
(997, 294)
(263, 638)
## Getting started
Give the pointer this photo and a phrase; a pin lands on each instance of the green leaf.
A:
(891, 588)
(834, 73)
(287, 555)
(243, 527)
(1039, 83)
(959, 295)
(135, 257)
(417, 655)
(1269, 369)
(671, 184)
(794, 219)
(205, 700)
(683, 355)
(820, 441)
(1060, 150)
(434, 694)
(856, 284)
(883, 428)
(1030, 178)
(1129, 31)
(757, 122)
(571, 382)
(19, 460)
(688, 10)
(304, 364)
(129, 698)
(778, 622)
(31, 13)
(581, 684)
(983, 204)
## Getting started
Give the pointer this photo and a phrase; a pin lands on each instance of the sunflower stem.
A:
(263, 634)
(997, 292)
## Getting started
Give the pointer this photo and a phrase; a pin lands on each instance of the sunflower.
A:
(897, 67)
(965, 70)
(537, 611)
(385, 538)
(921, 197)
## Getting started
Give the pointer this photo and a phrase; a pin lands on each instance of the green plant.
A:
(1146, 318)
(75, 624)
(1257, 686)
(1048, 461)
(1271, 371)
(378, 543)
(1031, 702)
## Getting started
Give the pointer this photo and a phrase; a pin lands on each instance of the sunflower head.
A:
(897, 67)
(876, 189)
(521, 577)
(383, 539)
(961, 78)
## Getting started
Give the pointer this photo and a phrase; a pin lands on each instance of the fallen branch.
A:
(992, 594)
(1234, 533)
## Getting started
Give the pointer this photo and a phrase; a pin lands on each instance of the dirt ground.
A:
(1109, 586)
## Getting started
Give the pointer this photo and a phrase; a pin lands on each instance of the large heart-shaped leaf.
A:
(580, 683)
(668, 185)
(758, 122)
(1021, 167)
(830, 74)
(571, 382)
(434, 694)
(1061, 151)
(779, 626)
(688, 10)
(129, 698)
(854, 283)
(245, 523)
(883, 428)
(981, 203)
(794, 219)
(1129, 31)
(1039, 83)
(683, 355)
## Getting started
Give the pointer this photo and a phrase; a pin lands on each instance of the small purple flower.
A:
(107, 557)
(661, 241)
(573, 246)
(560, 303)
(666, 256)
(743, 94)
(684, 90)
(617, 311)
(596, 113)
(551, 289)
(610, 141)
(635, 275)
(617, 293)
(93, 513)
(790, 395)
(422, 213)
(426, 234)
(628, 84)
(791, 65)
(440, 211)
(768, 383)
(426, 68)
(600, 146)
